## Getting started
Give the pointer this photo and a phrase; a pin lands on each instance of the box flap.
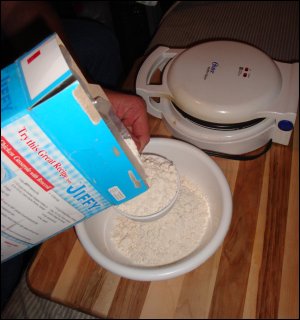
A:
(32, 77)
(43, 69)
(100, 103)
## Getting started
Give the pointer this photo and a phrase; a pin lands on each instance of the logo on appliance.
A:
(211, 69)
(244, 72)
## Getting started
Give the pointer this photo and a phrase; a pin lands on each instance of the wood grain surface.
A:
(253, 275)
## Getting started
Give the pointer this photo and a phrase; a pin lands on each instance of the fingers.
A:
(143, 142)
(132, 111)
(137, 125)
(140, 129)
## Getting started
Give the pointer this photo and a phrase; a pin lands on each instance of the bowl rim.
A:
(179, 267)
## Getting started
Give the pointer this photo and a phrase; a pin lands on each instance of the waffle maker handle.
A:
(153, 94)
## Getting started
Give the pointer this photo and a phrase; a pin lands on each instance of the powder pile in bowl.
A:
(169, 238)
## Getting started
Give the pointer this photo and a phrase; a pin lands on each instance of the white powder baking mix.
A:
(169, 238)
(162, 179)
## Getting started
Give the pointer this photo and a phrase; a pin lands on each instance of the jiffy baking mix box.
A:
(64, 155)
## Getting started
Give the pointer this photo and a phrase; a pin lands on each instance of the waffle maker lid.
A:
(223, 81)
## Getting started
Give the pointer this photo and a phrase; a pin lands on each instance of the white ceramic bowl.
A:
(190, 161)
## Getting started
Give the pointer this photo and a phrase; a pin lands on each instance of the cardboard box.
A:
(64, 155)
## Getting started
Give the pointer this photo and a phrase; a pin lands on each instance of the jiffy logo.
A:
(211, 69)
(81, 194)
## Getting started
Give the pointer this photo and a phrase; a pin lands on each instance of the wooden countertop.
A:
(255, 274)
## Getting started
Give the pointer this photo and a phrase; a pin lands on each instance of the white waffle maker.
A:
(223, 96)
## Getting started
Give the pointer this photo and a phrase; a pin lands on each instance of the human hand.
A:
(132, 111)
